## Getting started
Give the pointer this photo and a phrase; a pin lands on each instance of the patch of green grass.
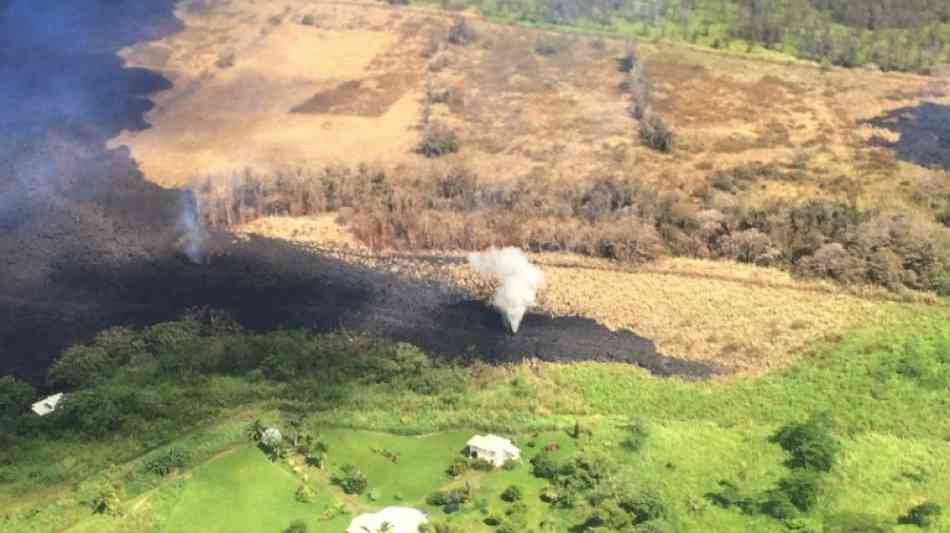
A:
(419, 470)
(243, 491)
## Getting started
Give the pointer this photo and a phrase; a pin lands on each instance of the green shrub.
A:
(438, 498)
(305, 494)
(457, 468)
(636, 437)
(809, 444)
(166, 462)
(778, 505)
(81, 366)
(511, 494)
(16, 397)
(543, 466)
(801, 488)
(550, 494)
(105, 496)
(730, 495)
(482, 465)
(644, 507)
(923, 515)
(101, 410)
(351, 480)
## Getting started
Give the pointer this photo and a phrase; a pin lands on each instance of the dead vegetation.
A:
(621, 219)
(540, 125)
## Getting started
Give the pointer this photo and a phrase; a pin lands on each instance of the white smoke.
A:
(518, 281)
(193, 233)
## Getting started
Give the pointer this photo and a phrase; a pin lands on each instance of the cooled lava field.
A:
(87, 243)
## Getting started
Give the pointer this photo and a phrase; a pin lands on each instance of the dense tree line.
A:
(893, 34)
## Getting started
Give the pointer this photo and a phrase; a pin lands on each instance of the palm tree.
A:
(386, 527)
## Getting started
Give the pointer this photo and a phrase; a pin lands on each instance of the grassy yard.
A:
(244, 491)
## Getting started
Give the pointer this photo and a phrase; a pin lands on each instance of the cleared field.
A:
(748, 319)
(313, 84)
(255, 88)
(243, 491)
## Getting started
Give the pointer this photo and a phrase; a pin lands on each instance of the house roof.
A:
(47, 405)
(402, 520)
(492, 442)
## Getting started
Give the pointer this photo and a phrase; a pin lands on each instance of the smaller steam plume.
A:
(518, 281)
(192, 241)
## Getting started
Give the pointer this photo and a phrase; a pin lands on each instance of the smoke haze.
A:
(518, 281)
(193, 234)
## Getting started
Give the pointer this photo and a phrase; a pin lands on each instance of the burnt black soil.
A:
(924, 133)
(267, 284)
(87, 243)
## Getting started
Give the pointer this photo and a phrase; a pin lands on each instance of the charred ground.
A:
(88, 243)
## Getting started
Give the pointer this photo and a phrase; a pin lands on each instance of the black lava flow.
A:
(87, 243)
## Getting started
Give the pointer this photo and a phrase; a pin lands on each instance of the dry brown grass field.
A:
(274, 86)
(748, 319)
(270, 86)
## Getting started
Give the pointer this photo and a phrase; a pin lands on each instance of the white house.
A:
(492, 448)
(47, 405)
(399, 520)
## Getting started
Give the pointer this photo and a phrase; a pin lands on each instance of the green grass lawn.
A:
(420, 468)
(244, 492)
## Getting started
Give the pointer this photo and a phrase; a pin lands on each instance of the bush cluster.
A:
(168, 461)
(437, 140)
(461, 32)
(810, 445)
(450, 501)
(656, 133)
(812, 452)
(923, 515)
(197, 348)
(637, 433)
(351, 480)
(16, 397)
(511, 494)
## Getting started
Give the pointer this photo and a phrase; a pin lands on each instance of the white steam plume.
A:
(518, 281)
(193, 234)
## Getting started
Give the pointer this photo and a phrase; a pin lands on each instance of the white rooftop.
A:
(400, 519)
(492, 442)
(47, 405)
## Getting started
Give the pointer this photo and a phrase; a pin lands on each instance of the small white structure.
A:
(492, 448)
(399, 520)
(47, 405)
